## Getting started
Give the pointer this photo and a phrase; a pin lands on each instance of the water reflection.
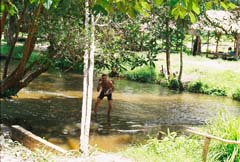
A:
(51, 108)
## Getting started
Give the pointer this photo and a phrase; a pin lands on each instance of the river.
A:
(51, 108)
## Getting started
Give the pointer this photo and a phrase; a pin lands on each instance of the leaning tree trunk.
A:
(12, 82)
(10, 53)
(87, 80)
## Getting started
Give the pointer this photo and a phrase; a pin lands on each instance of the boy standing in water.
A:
(107, 88)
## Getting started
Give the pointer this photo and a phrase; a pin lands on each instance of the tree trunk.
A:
(83, 140)
(237, 48)
(208, 35)
(87, 81)
(3, 20)
(10, 53)
(197, 46)
(90, 81)
(192, 42)
(218, 35)
(181, 57)
(11, 30)
(11, 82)
(167, 47)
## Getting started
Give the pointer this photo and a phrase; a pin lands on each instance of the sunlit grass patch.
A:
(170, 149)
(218, 74)
(226, 127)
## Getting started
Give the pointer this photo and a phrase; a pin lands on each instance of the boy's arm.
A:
(99, 85)
(112, 86)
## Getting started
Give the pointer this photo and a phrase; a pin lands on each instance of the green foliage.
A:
(236, 94)
(190, 148)
(143, 74)
(226, 127)
(201, 87)
(196, 87)
(68, 47)
(66, 65)
(216, 91)
(131, 8)
(173, 84)
(9, 7)
(17, 53)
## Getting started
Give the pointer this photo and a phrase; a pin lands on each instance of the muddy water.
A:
(51, 108)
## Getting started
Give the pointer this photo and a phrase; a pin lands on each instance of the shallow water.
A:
(51, 108)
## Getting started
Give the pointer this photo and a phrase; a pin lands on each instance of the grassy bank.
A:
(18, 51)
(203, 75)
(173, 148)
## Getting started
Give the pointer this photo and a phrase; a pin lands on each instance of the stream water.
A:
(51, 108)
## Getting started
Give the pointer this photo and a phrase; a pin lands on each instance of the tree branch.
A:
(10, 53)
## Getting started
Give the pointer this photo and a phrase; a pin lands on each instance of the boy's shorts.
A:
(102, 95)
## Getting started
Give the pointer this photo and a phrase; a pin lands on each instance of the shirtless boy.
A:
(107, 88)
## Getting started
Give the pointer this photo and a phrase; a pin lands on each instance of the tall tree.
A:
(88, 78)
(25, 71)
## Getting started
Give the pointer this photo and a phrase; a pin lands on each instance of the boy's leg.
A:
(109, 103)
(109, 106)
(100, 97)
(96, 105)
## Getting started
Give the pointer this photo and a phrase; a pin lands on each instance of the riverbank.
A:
(200, 75)
(175, 148)
(165, 148)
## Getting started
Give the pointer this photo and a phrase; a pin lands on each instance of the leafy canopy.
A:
(179, 8)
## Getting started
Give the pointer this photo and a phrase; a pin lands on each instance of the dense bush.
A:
(173, 84)
(216, 91)
(236, 95)
(201, 87)
(196, 87)
(143, 74)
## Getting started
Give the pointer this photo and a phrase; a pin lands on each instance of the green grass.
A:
(226, 127)
(218, 74)
(183, 148)
(236, 94)
(170, 149)
(218, 77)
(143, 74)
(201, 87)
(226, 79)
(18, 52)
